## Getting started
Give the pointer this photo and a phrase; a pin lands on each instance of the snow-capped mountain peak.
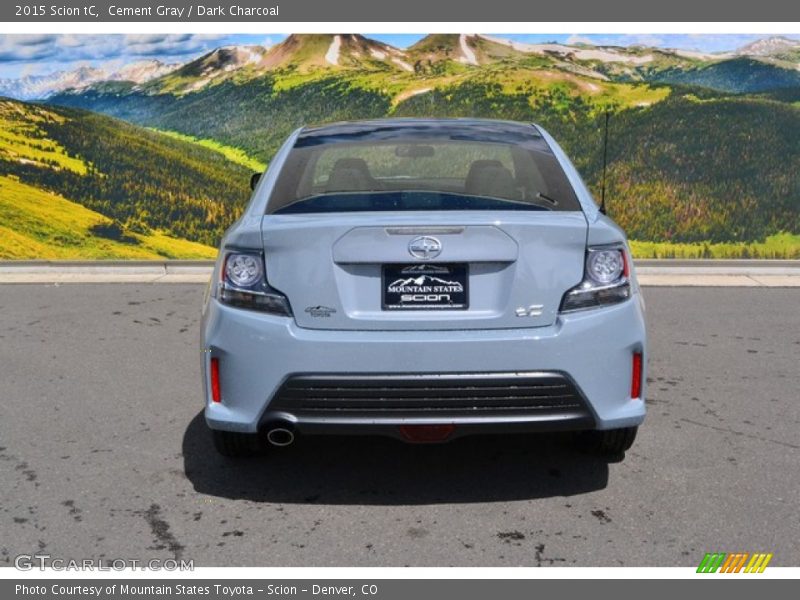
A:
(38, 87)
(143, 71)
(770, 46)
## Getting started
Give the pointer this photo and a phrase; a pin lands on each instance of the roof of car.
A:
(478, 130)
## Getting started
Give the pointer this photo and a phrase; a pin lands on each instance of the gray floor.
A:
(103, 452)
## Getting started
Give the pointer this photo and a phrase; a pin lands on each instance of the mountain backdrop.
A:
(153, 159)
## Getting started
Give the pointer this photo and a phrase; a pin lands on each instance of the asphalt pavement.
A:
(104, 452)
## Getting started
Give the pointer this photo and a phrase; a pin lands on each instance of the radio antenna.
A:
(605, 167)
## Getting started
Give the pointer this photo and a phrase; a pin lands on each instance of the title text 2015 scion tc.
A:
(423, 279)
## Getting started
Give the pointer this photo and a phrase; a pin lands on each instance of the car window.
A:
(436, 161)
(416, 172)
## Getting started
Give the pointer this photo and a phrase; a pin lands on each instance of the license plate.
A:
(425, 287)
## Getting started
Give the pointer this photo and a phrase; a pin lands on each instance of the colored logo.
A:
(738, 562)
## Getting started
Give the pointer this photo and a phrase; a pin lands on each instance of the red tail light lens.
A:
(636, 376)
(214, 371)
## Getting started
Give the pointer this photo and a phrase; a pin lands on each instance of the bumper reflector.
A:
(214, 371)
(426, 433)
(636, 376)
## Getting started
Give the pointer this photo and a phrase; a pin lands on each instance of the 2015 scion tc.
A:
(423, 279)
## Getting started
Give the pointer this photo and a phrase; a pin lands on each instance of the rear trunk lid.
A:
(425, 271)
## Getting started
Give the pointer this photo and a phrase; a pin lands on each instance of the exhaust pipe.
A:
(280, 436)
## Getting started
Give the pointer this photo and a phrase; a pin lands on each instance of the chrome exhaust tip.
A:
(280, 436)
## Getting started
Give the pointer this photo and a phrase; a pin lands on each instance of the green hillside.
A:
(147, 194)
(739, 75)
(235, 155)
(714, 169)
(43, 225)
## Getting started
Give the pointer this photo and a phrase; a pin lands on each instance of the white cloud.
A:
(71, 48)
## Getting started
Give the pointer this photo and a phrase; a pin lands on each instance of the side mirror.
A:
(254, 179)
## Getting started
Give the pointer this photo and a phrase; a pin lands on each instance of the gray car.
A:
(422, 279)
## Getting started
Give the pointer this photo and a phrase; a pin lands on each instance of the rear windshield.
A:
(420, 170)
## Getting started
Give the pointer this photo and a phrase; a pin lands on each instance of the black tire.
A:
(611, 442)
(235, 444)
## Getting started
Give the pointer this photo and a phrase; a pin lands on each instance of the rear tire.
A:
(234, 444)
(611, 442)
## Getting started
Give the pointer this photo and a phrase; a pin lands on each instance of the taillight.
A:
(605, 280)
(636, 376)
(216, 395)
(243, 284)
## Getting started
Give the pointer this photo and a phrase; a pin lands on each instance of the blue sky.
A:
(22, 55)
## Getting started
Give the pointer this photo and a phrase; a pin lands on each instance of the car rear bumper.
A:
(271, 371)
(382, 403)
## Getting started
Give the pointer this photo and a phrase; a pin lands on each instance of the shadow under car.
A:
(363, 470)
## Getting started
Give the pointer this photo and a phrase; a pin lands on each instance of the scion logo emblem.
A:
(425, 247)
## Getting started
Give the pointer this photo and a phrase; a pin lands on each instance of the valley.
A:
(75, 184)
